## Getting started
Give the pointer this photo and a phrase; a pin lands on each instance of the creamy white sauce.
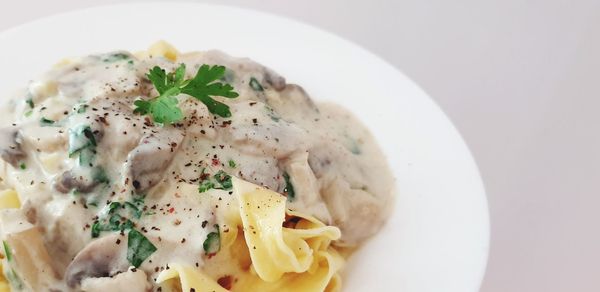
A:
(337, 170)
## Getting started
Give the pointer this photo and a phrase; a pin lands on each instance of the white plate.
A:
(437, 238)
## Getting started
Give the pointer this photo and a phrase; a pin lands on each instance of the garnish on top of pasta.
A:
(163, 171)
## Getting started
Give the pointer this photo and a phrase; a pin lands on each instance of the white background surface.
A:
(520, 81)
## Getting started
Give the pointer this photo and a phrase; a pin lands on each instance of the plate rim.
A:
(478, 179)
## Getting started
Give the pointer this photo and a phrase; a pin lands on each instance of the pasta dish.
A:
(168, 171)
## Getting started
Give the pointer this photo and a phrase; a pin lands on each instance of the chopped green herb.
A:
(212, 243)
(139, 248)
(80, 138)
(30, 103)
(10, 273)
(127, 225)
(113, 207)
(96, 229)
(231, 163)
(352, 145)
(87, 156)
(46, 122)
(256, 85)
(224, 179)
(14, 279)
(28, 113)
(355, 149)
(115, 222)
(138, 200)
(100, 176)
(289, 188)
(221, 181)
(164, 108)
(272, 114)
(23, 166)
(115, 57)
(205, 186)
(7, 251)
(137, 213)
(82, 108)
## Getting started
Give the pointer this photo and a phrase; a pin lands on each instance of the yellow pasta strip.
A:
(190, 278)
(9, 200)
(275, 250)
(162, 48)
(287, 259)
(322, 279)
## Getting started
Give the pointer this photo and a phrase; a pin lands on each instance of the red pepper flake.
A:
(225, 282)
(171, 210)
(215, 161)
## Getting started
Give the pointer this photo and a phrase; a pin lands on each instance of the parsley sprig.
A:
(164, 108)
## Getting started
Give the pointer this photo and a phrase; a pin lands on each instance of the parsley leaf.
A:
(30, 103)
(164, 108)
(7, 250)
(289, 187)
(139, 248)
(44, 122)
(205, 186)
(212, 243)
(255, 84)
(231, 163)
(224, 179)
(203, 86)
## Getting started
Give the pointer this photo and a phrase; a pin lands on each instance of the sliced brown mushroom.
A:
(149, 160)
(133, 280)
(275, 80)
(357, 213)
(102, 257)
(306, 187)
(10, 146)
(69, 181)
(263, 134)
(297, 97)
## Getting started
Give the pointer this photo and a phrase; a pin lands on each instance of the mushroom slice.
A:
(275, 80)
(258, 133)
(357, 213)
(68, 181)
(28, 255)
(133, 280)
(102, 257)
(10, 146)
(306, 187)
(149, 160)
